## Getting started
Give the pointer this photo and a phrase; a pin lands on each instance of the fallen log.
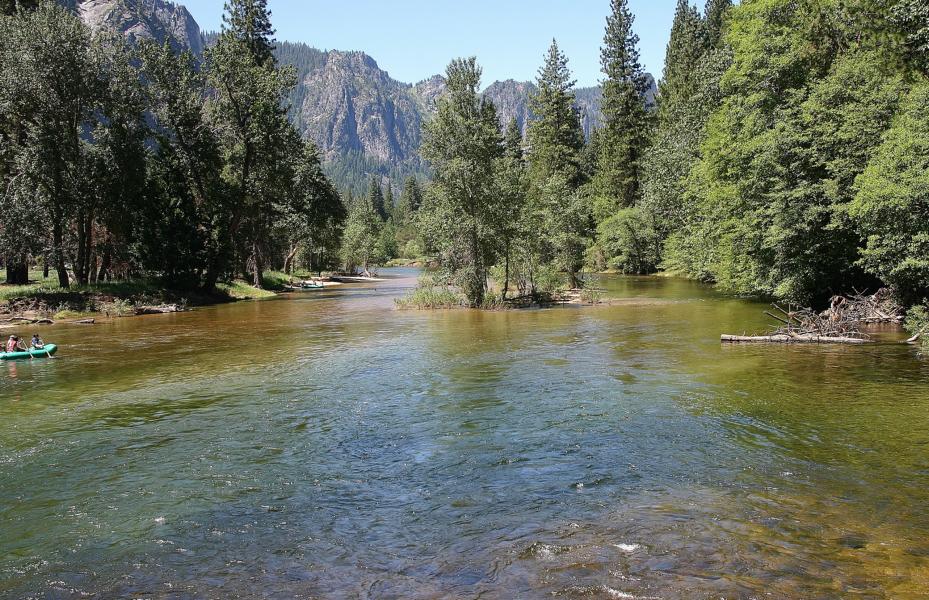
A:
(157, 310)
(29, 321)
(790, 339)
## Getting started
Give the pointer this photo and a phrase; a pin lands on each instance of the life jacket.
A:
(11, 345)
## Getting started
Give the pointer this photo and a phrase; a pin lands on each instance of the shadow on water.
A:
(329, 445)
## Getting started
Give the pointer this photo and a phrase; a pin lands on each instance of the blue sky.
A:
(415, 39)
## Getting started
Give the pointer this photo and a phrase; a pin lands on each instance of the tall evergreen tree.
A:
(514, 237)
(625, 118)
(680, 120)
(462, 143)
(249, 21)
(716, 11)
(555, 135)
(412, 197)
(376, 198)
(389, 204)
(555, 144)
(256, 136)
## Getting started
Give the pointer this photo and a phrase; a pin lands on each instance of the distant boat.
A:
(43, 352)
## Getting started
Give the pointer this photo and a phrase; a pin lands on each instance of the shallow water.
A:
(326, 445)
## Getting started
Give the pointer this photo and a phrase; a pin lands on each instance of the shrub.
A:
(432, 293)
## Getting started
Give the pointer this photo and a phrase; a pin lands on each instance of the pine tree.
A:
(686, 46)
(412, 197)
(680, 121)
(376, 198)
(248, 110)
(512, 230)
(626, 120)
(389, 204)
(513, 141)
(462, 144)
(250, 22)
(555, 144)
(555, 135)
(716, 11)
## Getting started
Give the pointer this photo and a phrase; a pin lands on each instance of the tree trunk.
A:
(17, 270)
(57, 243)
(45, 266)
(258, 265)
(506, 272)
(82, 264)
(289, 260)
(105, 264)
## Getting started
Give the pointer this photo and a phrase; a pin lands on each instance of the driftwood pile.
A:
(839, 324)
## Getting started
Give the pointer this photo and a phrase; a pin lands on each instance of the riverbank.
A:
(43, 300)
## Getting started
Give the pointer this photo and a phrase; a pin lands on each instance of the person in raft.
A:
(14, 344)
(37, 343)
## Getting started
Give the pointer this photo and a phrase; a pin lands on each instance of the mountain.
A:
(366, 122)
(142, 19)
(363, 121)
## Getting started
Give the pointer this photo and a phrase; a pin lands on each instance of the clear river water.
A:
(327, 445)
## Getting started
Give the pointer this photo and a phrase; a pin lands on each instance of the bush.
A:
(917, 322)
(630, 241)
(432, 293)
(591, 295)
(412, 250)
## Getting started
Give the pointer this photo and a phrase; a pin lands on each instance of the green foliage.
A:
(685, 102)
(432, 293)
(891, 208)
(129, 161)
(626, 122)
(376, 198)
(802, 107)
(256, 139)
(387, 247)
(555, 135)
(917, 323)
(631, 240)
(555, 213)
(361, 239)
(911, 18)
(249, 23)
(462, 143)
(716, 12)
(311, 217)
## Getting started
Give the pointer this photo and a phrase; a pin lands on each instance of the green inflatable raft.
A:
(43, 352)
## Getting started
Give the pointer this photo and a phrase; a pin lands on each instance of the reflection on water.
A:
(327, 445)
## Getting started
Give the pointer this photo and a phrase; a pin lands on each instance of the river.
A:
(327, 445)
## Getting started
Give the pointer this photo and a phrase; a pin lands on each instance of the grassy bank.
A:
(44, 298)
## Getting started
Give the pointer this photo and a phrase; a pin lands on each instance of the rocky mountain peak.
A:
(159, 20)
